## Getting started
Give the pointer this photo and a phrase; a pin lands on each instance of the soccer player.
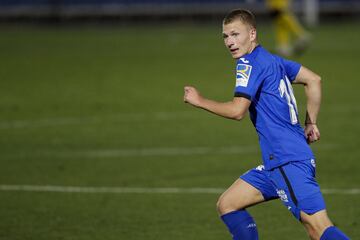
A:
(263, 87)
(287, 28)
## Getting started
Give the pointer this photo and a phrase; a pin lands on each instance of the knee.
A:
(225, 205)
(220, 206)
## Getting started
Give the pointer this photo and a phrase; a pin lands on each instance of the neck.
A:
(252, 46)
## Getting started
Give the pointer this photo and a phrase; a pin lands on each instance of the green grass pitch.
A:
(102, 106)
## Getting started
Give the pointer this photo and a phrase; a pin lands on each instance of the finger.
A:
(310, 140)
(314, 139)
(316, 135)
(311, 137)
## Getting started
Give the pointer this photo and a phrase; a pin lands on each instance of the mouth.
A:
(233, 50)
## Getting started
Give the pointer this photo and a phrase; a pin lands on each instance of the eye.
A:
(235, 34)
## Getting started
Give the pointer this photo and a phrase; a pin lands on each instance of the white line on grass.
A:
(141, 190)
(150, 152)
(117, 118)
(162, 151)
(132, 117)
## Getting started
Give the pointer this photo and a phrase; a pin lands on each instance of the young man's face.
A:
(238, 38)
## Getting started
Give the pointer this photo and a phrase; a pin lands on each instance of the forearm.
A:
(313, 94)
(235, 109)
(229, 109)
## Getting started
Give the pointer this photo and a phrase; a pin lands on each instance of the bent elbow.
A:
(239, 108)
(238, 116)
(317, 79)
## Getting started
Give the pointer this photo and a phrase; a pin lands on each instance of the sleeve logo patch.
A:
(243, 72)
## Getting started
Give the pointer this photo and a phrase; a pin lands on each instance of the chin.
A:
(236, 56)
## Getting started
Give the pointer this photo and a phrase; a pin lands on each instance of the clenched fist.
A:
(192, 96)
(312, 133)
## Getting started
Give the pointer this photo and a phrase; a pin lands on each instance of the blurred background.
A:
(96, 142)
(68, 9)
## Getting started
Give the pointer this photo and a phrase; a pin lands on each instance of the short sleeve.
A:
(292, 68)
(248, 80)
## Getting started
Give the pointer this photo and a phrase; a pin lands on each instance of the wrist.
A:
(310, 123)
(201, 103)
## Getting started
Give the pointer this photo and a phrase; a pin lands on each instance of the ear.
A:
(253, 34)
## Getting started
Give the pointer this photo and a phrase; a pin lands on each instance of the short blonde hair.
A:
(245, 16)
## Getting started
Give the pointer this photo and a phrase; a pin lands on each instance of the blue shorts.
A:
(294, 183)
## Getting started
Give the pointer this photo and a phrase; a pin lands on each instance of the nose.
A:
(229, 43)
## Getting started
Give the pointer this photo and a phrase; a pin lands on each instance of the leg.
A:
(290, 22)
(282, 33)
(238, 196)
(231, 206)
(300, 192)
(249, 190)
(301, 35)
(316, 223)
(319, 226)
(287, 26)
(284, 47)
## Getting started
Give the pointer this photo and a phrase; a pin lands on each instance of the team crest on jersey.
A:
(243, 72)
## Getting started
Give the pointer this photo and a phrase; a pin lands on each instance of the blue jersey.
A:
(265, 79)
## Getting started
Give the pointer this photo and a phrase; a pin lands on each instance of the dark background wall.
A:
(96, 8)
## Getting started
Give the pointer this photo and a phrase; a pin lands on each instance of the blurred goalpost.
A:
(311, 12)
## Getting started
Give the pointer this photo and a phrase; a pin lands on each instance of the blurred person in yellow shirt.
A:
(291, 37)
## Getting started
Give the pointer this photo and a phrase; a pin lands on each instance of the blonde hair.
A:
(245, 16)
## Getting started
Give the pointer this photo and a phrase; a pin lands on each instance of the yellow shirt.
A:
(278, 4)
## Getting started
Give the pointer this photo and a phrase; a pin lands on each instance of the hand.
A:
(192, 96)
(312, 133)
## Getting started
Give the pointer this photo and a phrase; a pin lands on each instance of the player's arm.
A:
(312, 84)
(235, 109)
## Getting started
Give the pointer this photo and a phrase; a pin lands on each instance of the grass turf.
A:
(78, 105)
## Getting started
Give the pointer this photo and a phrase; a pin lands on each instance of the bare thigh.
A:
(238, 196)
